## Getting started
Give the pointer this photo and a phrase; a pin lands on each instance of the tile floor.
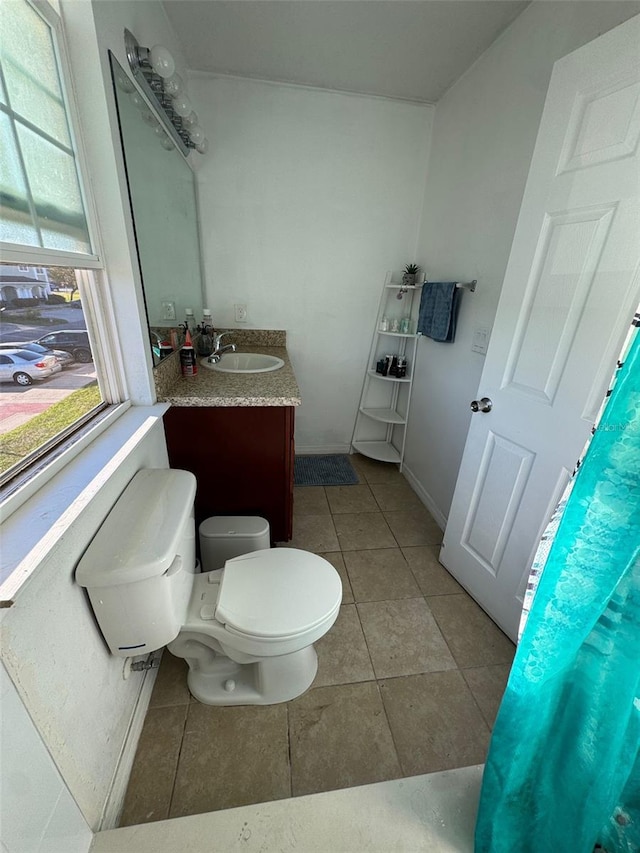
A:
(409, 679)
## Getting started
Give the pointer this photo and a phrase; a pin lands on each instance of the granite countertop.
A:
(213, 388)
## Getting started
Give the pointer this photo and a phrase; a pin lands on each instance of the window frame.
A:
(94, 291)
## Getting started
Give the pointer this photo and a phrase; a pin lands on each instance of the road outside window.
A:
(48, 382)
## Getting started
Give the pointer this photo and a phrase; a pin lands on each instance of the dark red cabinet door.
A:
(242, 458)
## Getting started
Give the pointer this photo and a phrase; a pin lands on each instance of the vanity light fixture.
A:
(154, 71)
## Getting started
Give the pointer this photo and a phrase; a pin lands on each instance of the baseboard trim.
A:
(312, 449)
(115, 798)
(425, 497)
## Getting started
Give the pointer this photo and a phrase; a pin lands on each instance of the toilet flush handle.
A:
(175, 567)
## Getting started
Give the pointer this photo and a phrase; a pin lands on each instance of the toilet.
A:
(245, 625)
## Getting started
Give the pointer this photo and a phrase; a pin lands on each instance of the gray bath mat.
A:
(334, 470)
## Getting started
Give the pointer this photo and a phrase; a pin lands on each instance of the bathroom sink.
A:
(245, 362)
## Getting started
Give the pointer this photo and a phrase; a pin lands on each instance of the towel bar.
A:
(469, 285)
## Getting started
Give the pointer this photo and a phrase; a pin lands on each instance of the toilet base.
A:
(265, 682)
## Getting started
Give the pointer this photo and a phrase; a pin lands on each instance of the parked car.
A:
(75, 341)
(22, 366)
(65, 358)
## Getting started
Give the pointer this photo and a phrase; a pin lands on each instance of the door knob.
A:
(483, 405)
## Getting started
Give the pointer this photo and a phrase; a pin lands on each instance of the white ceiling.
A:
(410, 49)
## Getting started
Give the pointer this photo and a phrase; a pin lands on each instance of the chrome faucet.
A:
(218, 350)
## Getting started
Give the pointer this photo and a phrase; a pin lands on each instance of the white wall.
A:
(69, 685)
(307, 198)
(32, 788)
(484, 134)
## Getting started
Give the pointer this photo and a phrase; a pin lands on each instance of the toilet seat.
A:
(276, 594)
(249, 606)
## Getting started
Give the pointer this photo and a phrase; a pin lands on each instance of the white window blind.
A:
(40, 198)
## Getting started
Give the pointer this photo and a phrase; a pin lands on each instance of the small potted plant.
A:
(409, 275)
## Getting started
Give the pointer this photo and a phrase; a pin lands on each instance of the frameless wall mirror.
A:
(162, 193)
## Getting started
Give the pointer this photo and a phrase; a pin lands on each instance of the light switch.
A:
(480, 340)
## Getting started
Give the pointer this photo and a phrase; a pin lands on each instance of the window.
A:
(48, 380)
(50, 376)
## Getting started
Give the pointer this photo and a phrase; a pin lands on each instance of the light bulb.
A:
(149, 118)
(173, 85)
(203, 147)
(166, 143)
(162, 61)
(191, 120)
(138, 101)
(182, 105)
(125, 84)
(196, 135)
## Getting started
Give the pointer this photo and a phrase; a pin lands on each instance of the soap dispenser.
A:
(205, 341)
(186, 328)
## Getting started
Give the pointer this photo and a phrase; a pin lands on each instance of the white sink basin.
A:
(245, 362)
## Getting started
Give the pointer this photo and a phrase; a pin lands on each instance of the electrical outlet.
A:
(168, 310)
(241, 313)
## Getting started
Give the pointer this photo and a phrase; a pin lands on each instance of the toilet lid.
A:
(277, 592)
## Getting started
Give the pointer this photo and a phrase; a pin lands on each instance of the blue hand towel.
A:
(439, 305)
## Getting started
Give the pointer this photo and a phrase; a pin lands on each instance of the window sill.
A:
(27, 483)
(38, 513)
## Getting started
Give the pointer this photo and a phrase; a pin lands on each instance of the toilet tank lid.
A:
(224, 526)
(140, 537)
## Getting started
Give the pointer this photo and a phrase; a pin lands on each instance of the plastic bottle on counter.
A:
(205, 341)
(188, 360)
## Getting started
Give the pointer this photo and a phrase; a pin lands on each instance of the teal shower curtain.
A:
(563, 770)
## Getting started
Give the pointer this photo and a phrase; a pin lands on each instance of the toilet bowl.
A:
(249, 629)
(246, 630)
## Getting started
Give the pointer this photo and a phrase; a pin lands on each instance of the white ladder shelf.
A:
(380, 428)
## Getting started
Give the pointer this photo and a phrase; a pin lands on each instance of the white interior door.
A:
(569, 293)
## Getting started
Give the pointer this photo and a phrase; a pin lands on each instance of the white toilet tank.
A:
(138, 569)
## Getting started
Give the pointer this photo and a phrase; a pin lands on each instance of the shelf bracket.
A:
(468, 285)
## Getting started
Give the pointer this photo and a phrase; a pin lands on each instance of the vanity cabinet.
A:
(242, 457)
